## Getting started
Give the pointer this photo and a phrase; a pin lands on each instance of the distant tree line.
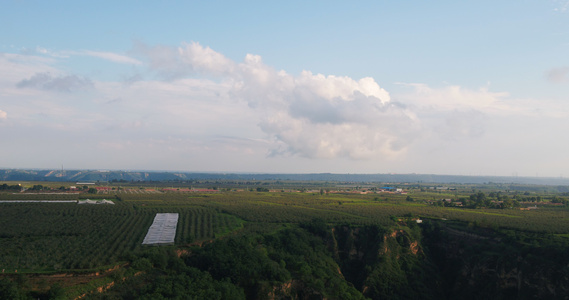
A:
(15, 187)
(496, 200)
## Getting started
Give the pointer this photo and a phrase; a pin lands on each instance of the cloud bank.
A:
(110, 56)
(309, 115)
(189, 106)
(46, 81)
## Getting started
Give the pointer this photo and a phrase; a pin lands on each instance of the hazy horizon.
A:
(557, 179)
(445, 88)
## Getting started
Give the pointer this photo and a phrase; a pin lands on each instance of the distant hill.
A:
(103, 176)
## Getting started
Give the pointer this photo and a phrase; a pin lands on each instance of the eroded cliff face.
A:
(386, 263)
(482, 264)
(437, 261)
(409, 261)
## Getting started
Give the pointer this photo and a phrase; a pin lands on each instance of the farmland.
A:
(55, 238)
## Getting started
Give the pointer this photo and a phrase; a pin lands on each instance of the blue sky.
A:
(442, 87)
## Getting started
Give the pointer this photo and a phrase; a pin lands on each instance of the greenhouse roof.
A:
(162, 230)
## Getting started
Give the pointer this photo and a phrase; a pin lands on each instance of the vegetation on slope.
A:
(348, 243)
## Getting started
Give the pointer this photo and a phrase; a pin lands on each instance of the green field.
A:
(51, 238)
(59, 236)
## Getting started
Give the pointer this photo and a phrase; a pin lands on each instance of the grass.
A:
(472, 211)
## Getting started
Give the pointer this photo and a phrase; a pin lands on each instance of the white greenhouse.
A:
(163, 229)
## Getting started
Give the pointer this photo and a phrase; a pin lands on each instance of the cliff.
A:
(478, 263)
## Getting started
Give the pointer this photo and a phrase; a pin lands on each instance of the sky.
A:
(433, 87)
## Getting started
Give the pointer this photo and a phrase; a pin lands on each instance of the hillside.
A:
(352, 241)
(116, 175)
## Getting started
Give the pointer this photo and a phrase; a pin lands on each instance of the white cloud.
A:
(318, 116)
(211, 107)
(426, 100)
(192, 58)
(453, 113)
(46, 81)
(346, 139)
(204, 59)
(110, 56)
(14, 67)
(333, 87)
(309, 115)
(453, 97)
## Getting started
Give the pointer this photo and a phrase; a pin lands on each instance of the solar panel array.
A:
(162, 230)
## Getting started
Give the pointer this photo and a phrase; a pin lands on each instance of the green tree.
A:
(507, 203)
(9, 290)
(56, 292)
